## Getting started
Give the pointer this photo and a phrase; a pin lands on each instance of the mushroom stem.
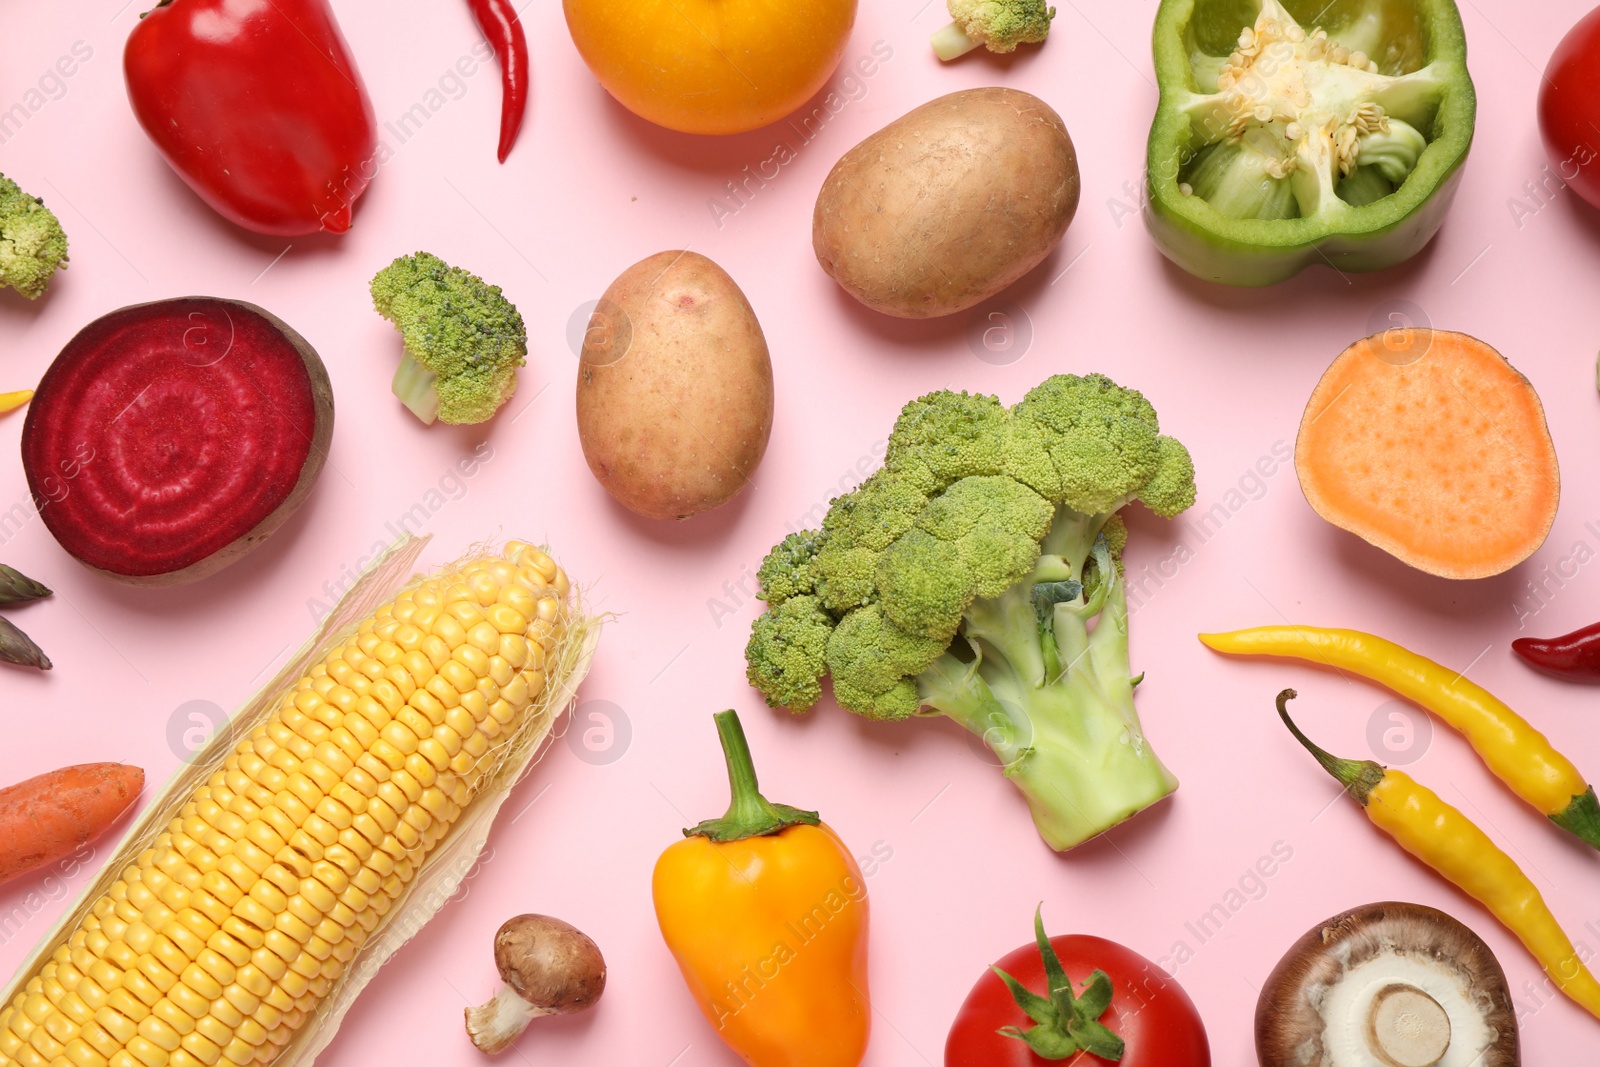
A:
(493, 1026)
(1408, 1028)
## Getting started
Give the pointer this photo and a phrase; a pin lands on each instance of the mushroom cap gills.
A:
(1348, 1007)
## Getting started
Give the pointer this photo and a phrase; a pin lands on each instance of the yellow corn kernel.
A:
(79, 1053)
(237, 1052)
(113, 1023)
(435, 753)
(401, 738)
(317, 895)
(199, 982)
(460, 677)
(158, 1033)
(444, 692)
(147, 1052)
(295, 928)
(202, 1048)
(421, 774)
(485, 638)
(236, 1003)
(437, 651)
(449, 632)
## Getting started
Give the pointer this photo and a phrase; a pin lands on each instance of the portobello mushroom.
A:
(1390, 984)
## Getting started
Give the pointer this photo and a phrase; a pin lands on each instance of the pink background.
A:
(588, 191)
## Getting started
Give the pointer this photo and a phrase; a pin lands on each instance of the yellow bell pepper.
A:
(1446, 840)
(765, 910)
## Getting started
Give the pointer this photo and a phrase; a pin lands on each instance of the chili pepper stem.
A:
(1359, 777)
(749, 813)
(1581, 818)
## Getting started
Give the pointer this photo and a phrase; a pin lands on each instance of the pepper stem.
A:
(1359, 777)
(749, 813)
(1581, 817)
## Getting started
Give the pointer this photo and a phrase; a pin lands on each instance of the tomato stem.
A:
(1065, 1024)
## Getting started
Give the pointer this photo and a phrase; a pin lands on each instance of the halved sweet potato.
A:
(169, 439)
(1432, 447)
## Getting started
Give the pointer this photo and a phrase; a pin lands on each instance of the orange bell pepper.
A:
(765, 910)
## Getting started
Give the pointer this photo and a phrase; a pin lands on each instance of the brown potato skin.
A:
(948, 204)
(674, 387)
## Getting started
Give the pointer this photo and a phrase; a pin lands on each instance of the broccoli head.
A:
(32, 244)
(998, 25)
(463, 339)
(978, 575)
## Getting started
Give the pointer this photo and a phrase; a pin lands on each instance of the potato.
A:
(674, 387)
(949, 204)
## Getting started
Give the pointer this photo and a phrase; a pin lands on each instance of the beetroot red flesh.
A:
(167, 433)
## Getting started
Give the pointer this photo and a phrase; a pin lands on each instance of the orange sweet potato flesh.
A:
(1429, 445)
(47, 818)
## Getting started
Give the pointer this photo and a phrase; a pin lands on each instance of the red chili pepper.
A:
(1575, 655)
(258, 105)
(499, 23)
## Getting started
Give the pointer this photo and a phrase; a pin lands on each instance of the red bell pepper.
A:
(258, 105)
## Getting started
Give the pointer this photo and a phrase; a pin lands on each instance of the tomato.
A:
(1569, 108)
(1149, 1010)
(711, 66)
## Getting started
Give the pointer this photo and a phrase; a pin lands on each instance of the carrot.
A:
(46, 818)
(1429, 445)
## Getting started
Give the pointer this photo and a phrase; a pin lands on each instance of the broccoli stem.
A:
(952, 42)
(1056, 704)
(1077, 753)
(417, 388)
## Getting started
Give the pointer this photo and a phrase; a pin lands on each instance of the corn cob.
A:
(218, 943)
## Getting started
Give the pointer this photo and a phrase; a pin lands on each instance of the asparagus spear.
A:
(18, 647)
(18, 588)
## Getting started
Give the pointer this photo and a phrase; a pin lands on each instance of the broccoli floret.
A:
(998, 25)
(789, 570)
(978, 575)
(463, 339)
(32, 244)
(789, 645)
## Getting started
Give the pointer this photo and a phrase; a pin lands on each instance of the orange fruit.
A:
(711, 66)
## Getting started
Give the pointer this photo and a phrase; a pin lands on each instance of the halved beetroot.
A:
(169, 439)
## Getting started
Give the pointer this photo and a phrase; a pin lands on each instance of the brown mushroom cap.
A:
(551, 964)
(1289, 1023)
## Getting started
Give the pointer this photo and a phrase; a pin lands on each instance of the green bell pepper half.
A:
(1280, 142)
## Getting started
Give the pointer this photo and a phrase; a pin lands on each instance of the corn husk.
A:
(453, 858)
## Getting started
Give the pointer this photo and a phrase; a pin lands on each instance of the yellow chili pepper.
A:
(13, 401)
(1515, 752)
(765, 910)
(1446, 840)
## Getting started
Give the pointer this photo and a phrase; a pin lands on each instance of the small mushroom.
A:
(547, 967)
(1400, 985)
